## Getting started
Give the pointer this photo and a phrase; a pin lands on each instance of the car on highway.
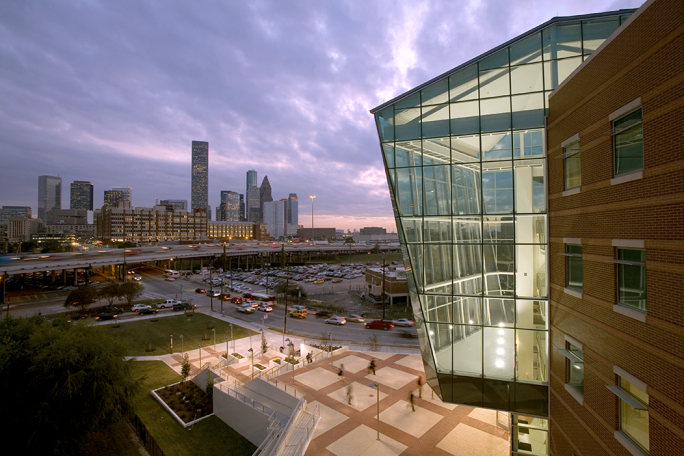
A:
(137, 307)
(298, 313)
(249, 302)
(225, 297)
(170, 279)
(402, 322)
(147, 311)
(355, 318)
(214, 293)
(237, 299)
(379, 324)
(183, 306)
(265, 308)
(116, 310)
(336, 321)
(137, 278)
(200, 290)
(245, 308)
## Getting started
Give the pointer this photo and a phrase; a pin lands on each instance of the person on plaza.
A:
(419, 383)
(411, 397)
(340, 374)
(308, 358)
(371, 366)
(349, 396)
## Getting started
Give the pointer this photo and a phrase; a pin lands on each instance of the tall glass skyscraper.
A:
(49, 196)
(293, 210)
(251, 180)
(82, 195)
(230, 208)
(465, 159)
(200, 176)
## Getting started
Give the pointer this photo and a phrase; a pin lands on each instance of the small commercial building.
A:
(395, 284)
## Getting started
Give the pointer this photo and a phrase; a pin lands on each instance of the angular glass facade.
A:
(465, 158)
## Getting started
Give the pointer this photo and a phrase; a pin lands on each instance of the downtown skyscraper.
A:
(49, 196)
(251, 180)
(200, 176)
(81, 195)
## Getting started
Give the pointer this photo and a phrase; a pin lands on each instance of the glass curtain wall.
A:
(466, 165)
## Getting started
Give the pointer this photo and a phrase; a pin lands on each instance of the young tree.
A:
(62, 383)
(110, 293)
(376, 248)
(185, 366)
(264, 344)
(82, 298)
(130, 291)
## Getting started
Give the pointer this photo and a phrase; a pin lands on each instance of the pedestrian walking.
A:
(411, 397)
(349, 396)
(340, 374)
(309, 358)
(371, 366)
(419, 383)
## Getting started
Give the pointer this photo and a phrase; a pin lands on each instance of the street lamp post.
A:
(330, 349)
(214, 331)
(231, 336)
(251, 352)
(199, 349)
(290, 346)
(182, 351)
(172, 344)
(312, 219)
(226, 340)
(376, 385)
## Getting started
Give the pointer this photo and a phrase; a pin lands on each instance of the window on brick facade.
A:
(574, 367)
(628, 143)
(631, 273)
(574, 267)
(633, 413)
(571, 165)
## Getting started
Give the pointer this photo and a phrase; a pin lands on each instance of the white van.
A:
(171, 273)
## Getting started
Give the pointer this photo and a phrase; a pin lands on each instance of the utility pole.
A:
(383, 287)
(287, 289)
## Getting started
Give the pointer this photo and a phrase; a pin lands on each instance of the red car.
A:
(379, 324)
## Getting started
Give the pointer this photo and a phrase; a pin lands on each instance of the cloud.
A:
(115, 92)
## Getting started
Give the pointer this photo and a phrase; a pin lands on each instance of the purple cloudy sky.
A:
(114, 92)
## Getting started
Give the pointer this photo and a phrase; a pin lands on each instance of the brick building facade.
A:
(616, 213)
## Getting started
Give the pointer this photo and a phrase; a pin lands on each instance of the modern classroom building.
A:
(473, 187)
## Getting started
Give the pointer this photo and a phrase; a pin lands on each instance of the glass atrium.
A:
(465, 158)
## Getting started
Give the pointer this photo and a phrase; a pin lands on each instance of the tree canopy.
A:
(110, 293)
(60, 384)
(82, 298)
(130, 291)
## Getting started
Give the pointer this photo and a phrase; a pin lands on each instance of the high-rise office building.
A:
(265, 193)
(111, 197)
(293, 209)
(251, 180)
(466, 164)
(200, 176)
(8, 212)
(230, 207)
(126, 192)
(275, 218)
(253, 205)
(49, 196)
(82, 195)
(181, 205)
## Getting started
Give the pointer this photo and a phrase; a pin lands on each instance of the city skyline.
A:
(125, 110)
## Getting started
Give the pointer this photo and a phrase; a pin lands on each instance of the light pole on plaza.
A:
(182, 351)
(214, 330)
(312, 219)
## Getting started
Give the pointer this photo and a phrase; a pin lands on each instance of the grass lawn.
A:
(209, 436)
(140, 334)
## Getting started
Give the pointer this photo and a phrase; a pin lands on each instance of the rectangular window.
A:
(628, 141)
(571, 165)
(631, 265)
(573, 266)
(575, 367)
(634, 414)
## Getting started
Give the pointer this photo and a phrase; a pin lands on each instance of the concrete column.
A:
(52, 276)
(63, 276)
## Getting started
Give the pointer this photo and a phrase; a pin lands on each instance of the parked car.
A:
(319, 281)
(167, 304)
(183, 306)
(265, 308)
(245, 308)
(355, 318)
(147, 311)
(337, 281)
(402, 322)
(379, 324)
(336, 321)
(200, 290)
(138, 307)
(298, 313)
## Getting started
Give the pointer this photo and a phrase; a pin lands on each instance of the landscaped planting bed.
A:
(187, 400)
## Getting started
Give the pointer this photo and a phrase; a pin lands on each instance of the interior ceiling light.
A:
(499, 363)
(500, 341)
